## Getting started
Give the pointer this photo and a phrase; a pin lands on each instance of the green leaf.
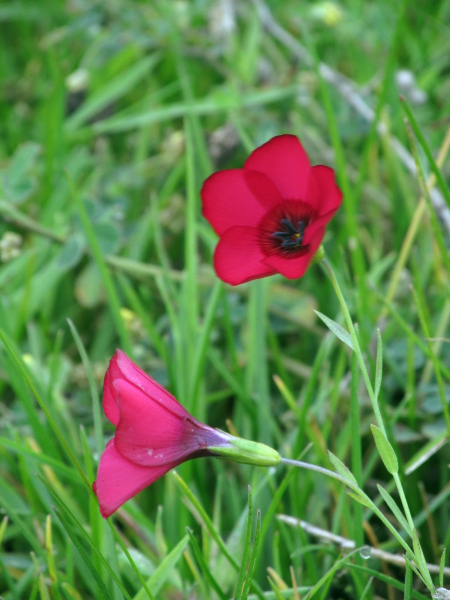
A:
(385, 450)
(77, 534)
(429, 154)
(111, 91)
(361, 499)
(216, 102)
(70, 253)
(379, 365)
(441, 568)
(385, 578)
(338, 331)
(252, 564)
(246, 550)
(164, 570)
(341, 469)
(17, 184)
(419, 557)
(414, 568)
(204, 566)
(107, 237)
(394, 508)
(84, 555)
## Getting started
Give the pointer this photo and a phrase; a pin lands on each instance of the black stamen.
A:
(291, 237)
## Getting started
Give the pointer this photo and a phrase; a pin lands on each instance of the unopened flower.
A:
(271, 215)
(154, 434)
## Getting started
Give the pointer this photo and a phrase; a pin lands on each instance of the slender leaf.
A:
(385, 450)
(338, 331)
(395, 509)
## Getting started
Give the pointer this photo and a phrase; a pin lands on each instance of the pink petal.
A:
(131, 372)
(323, 194)
(109, 392)
(237, 197)
(293, 268)
(118, 479)
(238, 256)
(149, 434)
(286, 163)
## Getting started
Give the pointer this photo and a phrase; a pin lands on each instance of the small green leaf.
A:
(164, 570)
(107, 237)
(70, 253)
(204, 565)
(379, 365)
(338, 331)
(341, 469)
(251, 567)
(16, 180)
(361, 499)
(72, 534)
(394, 508)
(419, 558)
(414, 568)
(441, 568)
(385, 450)
(246, 550)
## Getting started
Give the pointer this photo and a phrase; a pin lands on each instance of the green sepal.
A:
(247, 452)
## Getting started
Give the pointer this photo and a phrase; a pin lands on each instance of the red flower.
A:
(154, 434)
(270, 215)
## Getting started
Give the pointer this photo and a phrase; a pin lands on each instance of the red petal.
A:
(109, 391)
(237, 197)
(285, 162)
(323, 194)
(118, 479)
(132, 373)
(293, 268)
(149, 434)
(238, 256)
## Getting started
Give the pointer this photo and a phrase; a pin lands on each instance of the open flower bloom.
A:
(154, 434)
(270, 215)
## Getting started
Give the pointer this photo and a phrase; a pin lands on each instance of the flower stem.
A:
(353, 486)
(362, 365)
(356, 346)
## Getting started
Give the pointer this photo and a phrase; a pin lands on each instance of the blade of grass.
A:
(98, 428)
(62, 439)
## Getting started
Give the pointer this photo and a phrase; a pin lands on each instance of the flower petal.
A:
(132, 373)
(109, 391)
(149, 434)
(238, 256)
(118, 479)
(286, 163)
(237, 197)
(323, 194)
(293, 268)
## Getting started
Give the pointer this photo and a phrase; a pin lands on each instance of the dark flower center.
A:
(283, 229)
(291, 236)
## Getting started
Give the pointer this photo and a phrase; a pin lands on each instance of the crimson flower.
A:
(270, 215)
(154, 434)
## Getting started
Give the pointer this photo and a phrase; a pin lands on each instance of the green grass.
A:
(110, 115)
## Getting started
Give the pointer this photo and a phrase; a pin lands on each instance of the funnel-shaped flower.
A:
(154, 434)
(270, 215)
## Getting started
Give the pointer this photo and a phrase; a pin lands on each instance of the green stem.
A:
(356, 347)
(362, 365)
(367, 501)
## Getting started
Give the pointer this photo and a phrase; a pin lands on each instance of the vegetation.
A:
(112, 115)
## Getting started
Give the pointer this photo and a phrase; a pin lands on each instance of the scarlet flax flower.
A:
(271, 215)
(154, 434)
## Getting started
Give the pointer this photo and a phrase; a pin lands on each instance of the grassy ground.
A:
(112, 114)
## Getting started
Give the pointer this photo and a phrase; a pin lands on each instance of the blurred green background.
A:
(111, 116)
